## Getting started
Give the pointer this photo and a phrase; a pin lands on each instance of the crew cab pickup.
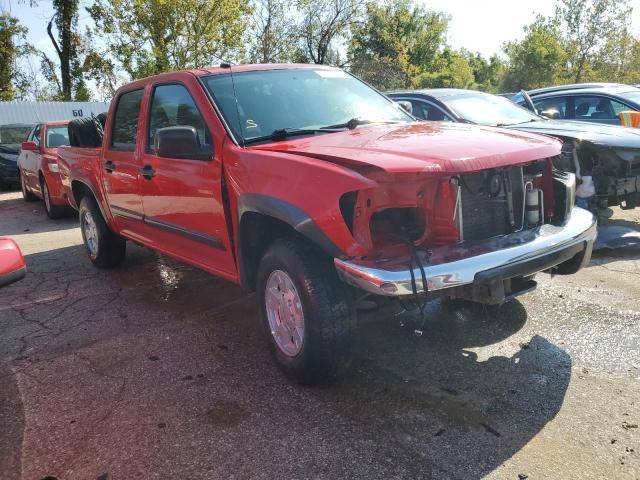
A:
(308, 187)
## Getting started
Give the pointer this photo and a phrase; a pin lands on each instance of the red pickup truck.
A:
(309, 187)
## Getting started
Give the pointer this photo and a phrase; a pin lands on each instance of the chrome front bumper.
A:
(465, 263)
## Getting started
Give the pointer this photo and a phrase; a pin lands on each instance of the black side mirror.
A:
(181, 142)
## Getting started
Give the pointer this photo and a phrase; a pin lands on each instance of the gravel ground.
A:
(156, 370)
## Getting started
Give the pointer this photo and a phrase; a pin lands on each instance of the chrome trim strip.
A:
(126, 213)
(210, 240)
(457, 265)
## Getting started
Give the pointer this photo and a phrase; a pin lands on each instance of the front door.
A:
(182, 197)
(121, 164)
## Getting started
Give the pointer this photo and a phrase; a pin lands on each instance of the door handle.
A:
(147, 172)
(109, 166)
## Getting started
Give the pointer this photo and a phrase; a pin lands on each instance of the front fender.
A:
(300, 191)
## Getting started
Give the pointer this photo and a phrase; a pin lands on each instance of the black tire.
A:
(54, 212)
(26, 194)
(329, 320)
(110, 248)
(85, 133)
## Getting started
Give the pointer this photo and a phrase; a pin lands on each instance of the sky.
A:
(479, 26)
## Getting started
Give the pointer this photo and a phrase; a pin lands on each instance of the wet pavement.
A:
(156, 370)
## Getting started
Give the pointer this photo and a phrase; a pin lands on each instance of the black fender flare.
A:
(288, 213)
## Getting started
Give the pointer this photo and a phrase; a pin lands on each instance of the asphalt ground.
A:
(156, 370)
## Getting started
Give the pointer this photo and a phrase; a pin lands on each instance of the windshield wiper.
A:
(517, 123)
(284, 133)
(356, 122)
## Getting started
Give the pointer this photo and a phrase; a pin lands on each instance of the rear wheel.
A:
(26, 194)
(53, 211)
(305, 313)
(104, 248)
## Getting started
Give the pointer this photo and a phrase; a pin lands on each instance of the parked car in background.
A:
(12, 266)
(11, 136)
(298, 180)
(583, 102)
(609, 154)
(38, 165)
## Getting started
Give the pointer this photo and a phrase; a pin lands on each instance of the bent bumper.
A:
(509, 256)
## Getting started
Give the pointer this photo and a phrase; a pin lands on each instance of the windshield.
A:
(485, 109)
(13, 135)
(288, 99)
(57, 136)
(633, 95)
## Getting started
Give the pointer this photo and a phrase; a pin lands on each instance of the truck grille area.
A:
(491, 203)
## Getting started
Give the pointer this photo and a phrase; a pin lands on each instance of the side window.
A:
(125, 123)
(558, 104)
(172, 106)
(597, 108)
(427, 111)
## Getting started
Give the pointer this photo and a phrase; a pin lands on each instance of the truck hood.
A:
(609, 135)
(437, 147)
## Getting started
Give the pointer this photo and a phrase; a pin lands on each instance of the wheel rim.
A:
(90, 233)
(284, 313)
(45, 194)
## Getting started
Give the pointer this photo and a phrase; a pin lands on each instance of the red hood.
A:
(438, 147)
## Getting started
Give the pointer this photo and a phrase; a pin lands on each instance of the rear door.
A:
(29, 160)
(121, 163)
(598, 109)
(182, 197)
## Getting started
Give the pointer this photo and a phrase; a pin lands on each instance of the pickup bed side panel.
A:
(81, 166)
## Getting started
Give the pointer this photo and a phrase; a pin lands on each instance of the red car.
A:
(38, 165)
(12, 266)
(305, 185)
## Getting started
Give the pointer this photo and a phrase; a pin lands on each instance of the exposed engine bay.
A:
(615, 172)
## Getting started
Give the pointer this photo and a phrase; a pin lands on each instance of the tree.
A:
(487, 74)
(586, 25)
(538, 60)
(323, 23)
(10, 31)
(273, 32)
(450, 70)
(619, 59)
(152, 36)
(395, 43)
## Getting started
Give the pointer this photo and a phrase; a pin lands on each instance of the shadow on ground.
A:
(157, 369)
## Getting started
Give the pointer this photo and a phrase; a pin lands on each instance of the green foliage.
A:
(10, 31)
(586, 26)
(396, 43)
(451, 70)
(152, 36)
(538, 60)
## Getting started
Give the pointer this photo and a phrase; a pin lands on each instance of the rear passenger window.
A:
(173, 106)
(125, 123)
(597, 108)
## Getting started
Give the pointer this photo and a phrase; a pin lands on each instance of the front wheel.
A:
(105, 248)
(304, 310)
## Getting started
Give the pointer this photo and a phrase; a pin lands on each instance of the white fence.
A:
(33, 112)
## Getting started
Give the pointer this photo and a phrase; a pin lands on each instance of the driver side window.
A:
(172, 106)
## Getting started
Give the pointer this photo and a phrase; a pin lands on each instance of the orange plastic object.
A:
(630, 119)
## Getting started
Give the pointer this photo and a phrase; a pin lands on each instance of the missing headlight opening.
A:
(414, 212)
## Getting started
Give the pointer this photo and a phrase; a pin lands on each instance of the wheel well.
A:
(256, 233)
(80, 190)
